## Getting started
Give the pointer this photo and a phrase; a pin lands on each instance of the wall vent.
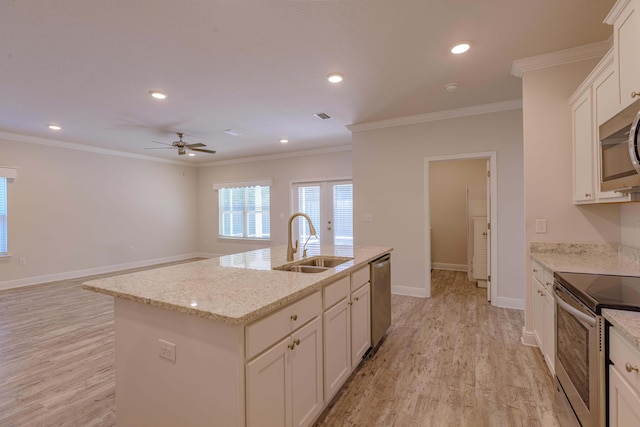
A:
(322, 116)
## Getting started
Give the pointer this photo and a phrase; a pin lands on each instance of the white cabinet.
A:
(347, 328)
(626, 36)
(544, 313)
(360, 323)
(593, 103)
(284, 384)
(624, 382)
(583, 182)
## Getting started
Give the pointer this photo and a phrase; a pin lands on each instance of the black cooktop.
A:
(598, 291)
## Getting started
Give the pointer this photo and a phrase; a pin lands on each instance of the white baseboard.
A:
(28, 281)
(409, 291)
(504, 302)
(528, 338)
(446, 266)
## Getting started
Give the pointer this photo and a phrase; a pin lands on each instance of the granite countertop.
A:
(233, 289)
(596, 258)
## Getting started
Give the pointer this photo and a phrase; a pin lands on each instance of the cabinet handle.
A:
(587, 195)
(630, 368)
(294, 317)
(295, 343)
(535, 270)
(635, 94)
(548, 284)
(356, 298)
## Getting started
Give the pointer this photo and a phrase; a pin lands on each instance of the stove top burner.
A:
(598, 291)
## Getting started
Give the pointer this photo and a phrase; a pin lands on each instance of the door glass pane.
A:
(343, 214)
(309, 203)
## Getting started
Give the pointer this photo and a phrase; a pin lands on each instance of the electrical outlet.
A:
(22, 261)
(167, 350)
(541, 225)
(368, 217)
(131, 248)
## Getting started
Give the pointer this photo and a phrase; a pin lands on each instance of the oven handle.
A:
(575, 312)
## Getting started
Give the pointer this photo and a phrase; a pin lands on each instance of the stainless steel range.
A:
(580, 353)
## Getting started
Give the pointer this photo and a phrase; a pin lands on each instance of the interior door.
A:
(489, 226)
(329, 204)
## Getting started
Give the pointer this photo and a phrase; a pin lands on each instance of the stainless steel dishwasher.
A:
(380, 298)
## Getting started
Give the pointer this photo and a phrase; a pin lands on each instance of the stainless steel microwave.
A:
(619, 151)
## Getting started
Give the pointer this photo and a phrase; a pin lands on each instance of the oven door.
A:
(578, 357)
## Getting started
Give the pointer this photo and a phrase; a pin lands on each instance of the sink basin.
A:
(322, 261)
(304, 268)
(316, 264)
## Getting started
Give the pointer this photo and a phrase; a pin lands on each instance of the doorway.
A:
(488, 162)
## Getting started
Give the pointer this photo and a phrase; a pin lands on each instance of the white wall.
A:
(448, 182)
(630, 222)
(283, 171)
(73, 210)
(388, 172)
(549, 168)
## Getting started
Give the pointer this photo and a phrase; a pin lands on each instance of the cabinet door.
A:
(539, 314)
(582, 149)
(549, 330)
(360, 324)
(306, 374)
(337, 347)
(268, 393)
(626, 39)
(624, 402)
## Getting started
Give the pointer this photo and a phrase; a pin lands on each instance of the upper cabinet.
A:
(610, 87)
(626, 36)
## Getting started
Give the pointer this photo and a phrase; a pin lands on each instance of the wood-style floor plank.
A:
(452, 360)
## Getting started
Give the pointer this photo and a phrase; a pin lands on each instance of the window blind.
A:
(309, 203)
(244, 212)
(343, 214)
(3, 216)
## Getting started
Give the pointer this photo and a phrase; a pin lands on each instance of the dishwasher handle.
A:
(382, 261)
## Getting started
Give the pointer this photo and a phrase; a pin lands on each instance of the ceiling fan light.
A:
(460, 48)
(54, 127)
(157, 95)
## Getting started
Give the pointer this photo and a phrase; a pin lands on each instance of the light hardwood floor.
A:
(452, 360)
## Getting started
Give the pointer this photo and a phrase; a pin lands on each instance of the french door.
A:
(329, 204)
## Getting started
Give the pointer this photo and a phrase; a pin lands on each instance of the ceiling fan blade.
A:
(204, 151)
(195, 145)
(158, 148)
(163, 143)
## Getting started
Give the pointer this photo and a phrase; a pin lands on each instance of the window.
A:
(7, 175)
(3, 216)
(244, 211)
(329, 204)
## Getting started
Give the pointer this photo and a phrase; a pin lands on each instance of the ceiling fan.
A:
(182, 146)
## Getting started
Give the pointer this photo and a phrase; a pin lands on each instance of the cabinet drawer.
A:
(622, 353)
(359, 278)
(335, 292)
(266, 331)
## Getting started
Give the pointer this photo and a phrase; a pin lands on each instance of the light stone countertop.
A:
(233, 289)
(596, 259)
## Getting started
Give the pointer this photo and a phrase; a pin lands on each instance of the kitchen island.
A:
(231, 341)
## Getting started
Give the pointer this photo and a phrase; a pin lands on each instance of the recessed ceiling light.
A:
(284, 141)
(335, 77)
(231, 132)
(54, 127)
(191, 154)
(157, 95)
(461, 47)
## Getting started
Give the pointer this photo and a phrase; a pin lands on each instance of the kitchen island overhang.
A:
(203, 308)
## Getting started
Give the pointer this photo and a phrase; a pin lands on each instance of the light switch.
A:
(367, 217)
(541, 225)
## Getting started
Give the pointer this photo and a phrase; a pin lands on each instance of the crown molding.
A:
(81, 147)
(616, 11)
(475, 110)
(327, 150)
(561, 57)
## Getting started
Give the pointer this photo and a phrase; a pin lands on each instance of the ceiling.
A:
(259, 67)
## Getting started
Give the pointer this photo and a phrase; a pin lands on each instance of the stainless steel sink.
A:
(316, 264)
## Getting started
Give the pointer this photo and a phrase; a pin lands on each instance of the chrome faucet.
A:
(291, 249)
